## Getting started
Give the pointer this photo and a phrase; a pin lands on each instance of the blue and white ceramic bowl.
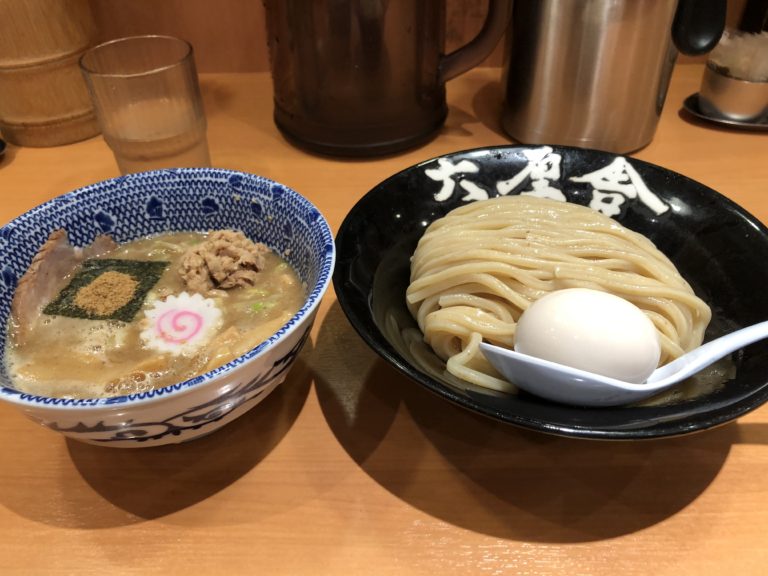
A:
(149, 203)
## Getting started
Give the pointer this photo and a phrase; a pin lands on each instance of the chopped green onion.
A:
(256, 307)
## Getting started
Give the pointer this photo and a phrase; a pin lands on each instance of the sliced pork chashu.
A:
(47, 275)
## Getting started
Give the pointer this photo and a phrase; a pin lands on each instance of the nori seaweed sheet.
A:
(145, 273)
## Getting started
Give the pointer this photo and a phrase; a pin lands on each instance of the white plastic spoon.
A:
(572, 386)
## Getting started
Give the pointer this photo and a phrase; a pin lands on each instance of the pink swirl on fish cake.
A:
(179, 326)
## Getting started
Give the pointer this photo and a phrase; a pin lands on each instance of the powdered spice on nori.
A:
(144, 274)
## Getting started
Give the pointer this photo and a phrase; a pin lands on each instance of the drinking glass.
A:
(147, 100)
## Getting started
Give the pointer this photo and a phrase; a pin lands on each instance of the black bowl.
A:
(718, 247)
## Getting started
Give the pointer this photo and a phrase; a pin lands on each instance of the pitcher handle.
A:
(698, 25)
(477, 49)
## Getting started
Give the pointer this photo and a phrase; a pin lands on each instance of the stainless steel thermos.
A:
(594, 73)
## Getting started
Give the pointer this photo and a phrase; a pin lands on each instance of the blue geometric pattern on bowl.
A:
(184, 199)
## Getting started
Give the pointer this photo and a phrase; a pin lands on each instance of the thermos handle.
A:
(698, 25)
(471, 54)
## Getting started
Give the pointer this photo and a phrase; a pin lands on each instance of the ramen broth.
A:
(74, 357)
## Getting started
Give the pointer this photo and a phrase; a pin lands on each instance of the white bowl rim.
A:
(157, 395)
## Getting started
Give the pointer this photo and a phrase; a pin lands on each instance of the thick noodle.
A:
(478, 268)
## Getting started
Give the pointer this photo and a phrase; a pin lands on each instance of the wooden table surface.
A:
(349, 467)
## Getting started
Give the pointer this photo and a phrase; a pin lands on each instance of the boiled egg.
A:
(590, 330)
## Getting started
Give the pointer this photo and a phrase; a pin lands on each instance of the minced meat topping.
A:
(225, 260)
